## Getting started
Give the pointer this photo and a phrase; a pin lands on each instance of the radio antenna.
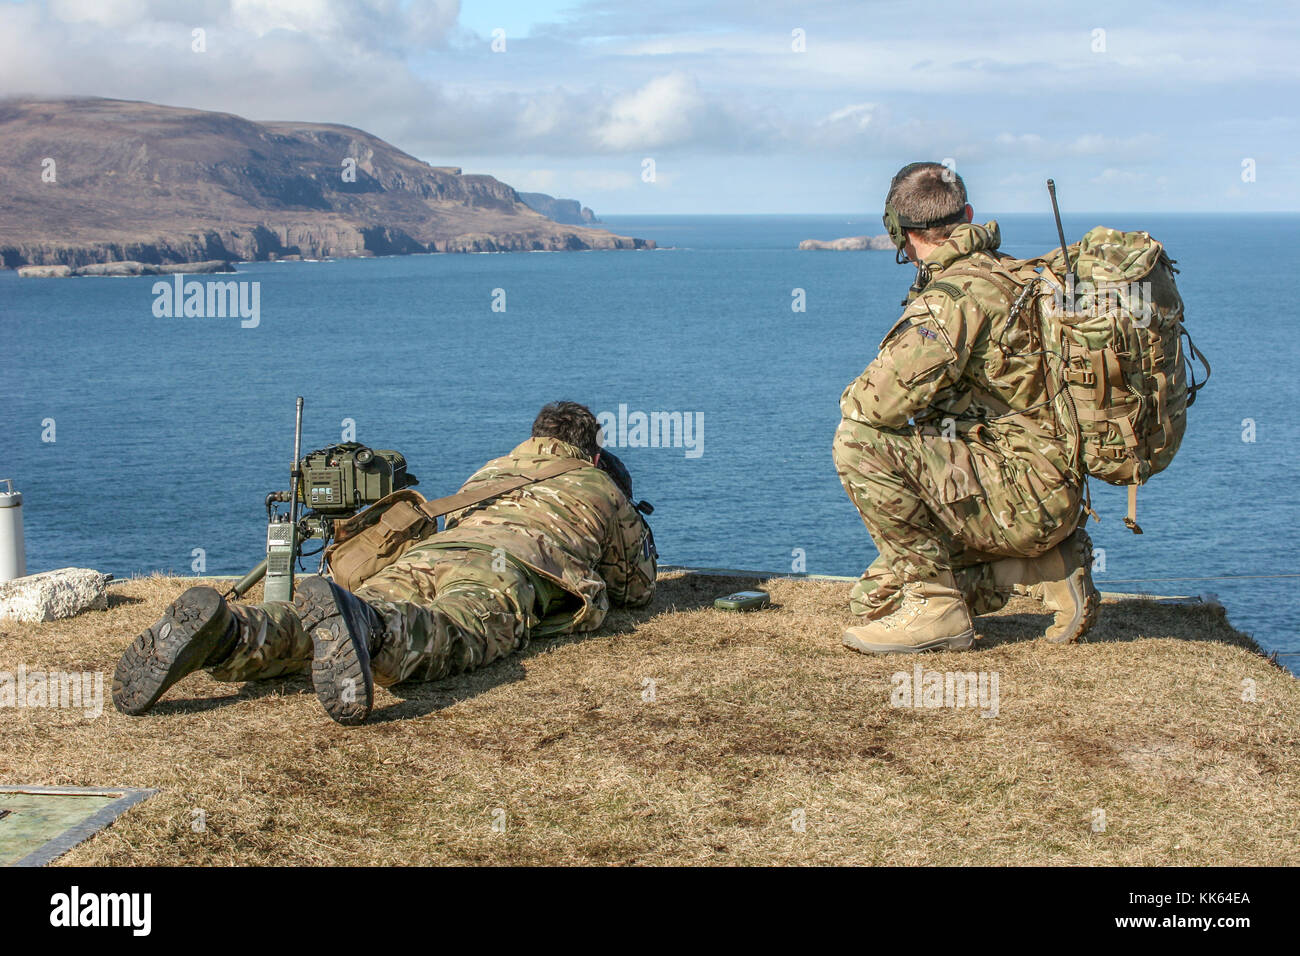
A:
(295, 470)
(1065, 252)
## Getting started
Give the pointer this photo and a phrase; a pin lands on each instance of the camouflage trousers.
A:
(444, 611)
(934, 503)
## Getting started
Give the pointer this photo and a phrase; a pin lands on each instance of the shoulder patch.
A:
(946, 287)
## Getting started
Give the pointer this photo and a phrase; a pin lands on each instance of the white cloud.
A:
(859, 114)
(664, 112)
(109, 13)
(371, 24)
(260, 17)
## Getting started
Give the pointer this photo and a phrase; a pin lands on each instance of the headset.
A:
(896, 224)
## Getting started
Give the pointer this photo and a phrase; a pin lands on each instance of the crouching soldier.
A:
(545, 559)
(950, 448)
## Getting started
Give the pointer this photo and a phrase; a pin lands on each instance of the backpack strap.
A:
(1195, 353)
(1131, 519)
(1018, 289)
(1007, 281)
(464, 499)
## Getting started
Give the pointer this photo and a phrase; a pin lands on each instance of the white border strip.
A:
(51, 850)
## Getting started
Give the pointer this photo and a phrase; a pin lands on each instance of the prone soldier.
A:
(545, 559)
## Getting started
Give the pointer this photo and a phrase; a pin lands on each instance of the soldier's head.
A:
(926, 202)
(569, 422)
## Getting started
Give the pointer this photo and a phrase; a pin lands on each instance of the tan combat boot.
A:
(1062, 580)
(932, 617)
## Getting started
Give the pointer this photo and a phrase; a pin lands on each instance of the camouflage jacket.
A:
(952, 356)
(576, 530)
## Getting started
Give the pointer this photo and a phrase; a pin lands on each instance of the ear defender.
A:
(896, 233)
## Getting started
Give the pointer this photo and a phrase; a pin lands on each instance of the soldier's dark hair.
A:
(925, 192)
(569, 422)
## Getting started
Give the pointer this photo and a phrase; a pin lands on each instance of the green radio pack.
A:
(744, 601)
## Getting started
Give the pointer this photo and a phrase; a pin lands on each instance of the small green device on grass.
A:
(744, 601)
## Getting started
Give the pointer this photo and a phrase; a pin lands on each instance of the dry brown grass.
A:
(756, 716)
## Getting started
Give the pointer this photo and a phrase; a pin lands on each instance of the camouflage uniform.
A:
(546, 559)
(948, 445)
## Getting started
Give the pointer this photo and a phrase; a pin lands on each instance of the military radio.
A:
(331, 484)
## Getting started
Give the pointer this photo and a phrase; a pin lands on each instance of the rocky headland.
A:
(94, 181)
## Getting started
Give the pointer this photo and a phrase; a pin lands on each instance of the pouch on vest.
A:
(373, 539)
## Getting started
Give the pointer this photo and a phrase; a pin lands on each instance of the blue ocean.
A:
(145, 443)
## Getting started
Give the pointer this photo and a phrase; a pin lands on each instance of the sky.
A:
(735, 106)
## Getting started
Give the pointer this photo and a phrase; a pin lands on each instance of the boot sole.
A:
(174, 647)
(340, 667)
(959, 642)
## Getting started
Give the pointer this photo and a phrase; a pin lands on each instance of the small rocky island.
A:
(92, 181)
(126, 267)
(850, 244)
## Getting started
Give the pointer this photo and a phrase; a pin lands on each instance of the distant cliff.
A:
(850, 244)
(568, 211)
(86, 181)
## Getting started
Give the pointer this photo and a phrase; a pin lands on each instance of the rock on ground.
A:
(52, 595)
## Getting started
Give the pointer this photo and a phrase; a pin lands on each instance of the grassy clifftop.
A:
(683, 735)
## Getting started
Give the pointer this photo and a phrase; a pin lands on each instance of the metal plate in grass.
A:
(40, 824)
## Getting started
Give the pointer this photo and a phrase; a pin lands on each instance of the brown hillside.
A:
(157, 184)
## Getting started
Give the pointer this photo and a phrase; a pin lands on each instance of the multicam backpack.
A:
(1113, 327)
(1122, 353)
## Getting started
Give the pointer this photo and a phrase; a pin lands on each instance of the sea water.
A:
(145, 441)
